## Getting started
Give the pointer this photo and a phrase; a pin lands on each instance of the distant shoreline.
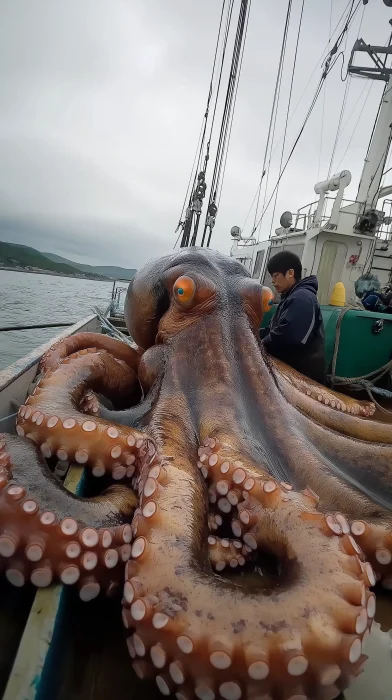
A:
(55, 274)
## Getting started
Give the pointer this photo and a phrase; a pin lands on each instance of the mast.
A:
(227, 119)
(380, 142)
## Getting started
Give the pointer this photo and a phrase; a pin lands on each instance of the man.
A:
(376, 301)
(296, 332)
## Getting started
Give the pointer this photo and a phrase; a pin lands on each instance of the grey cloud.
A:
(101, 108)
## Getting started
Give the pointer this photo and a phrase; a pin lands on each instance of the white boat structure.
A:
(337, 239)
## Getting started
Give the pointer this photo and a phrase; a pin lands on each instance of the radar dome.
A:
(286, 219)
(235, 232)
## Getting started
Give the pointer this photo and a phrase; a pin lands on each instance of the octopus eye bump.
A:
(184, 289)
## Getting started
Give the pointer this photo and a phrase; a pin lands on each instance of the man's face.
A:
(283, 283)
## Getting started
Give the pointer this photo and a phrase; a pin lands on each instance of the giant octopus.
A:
(255, 509)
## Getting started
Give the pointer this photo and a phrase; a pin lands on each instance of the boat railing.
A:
(384, 230)
(305, 217)
(116, 307)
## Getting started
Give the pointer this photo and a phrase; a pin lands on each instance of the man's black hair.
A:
(284, 261)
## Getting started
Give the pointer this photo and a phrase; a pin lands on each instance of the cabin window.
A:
(330, 268)
(258, 264)
(298, 249)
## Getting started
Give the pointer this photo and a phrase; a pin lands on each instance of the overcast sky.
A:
(101, 106)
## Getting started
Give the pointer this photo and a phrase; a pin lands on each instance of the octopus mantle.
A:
(248, 508)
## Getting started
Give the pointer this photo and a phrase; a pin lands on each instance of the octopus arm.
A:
(48, 533)
(207, 636)
(149, 375)
(225, 552)
(52, 416)
(317, 393)
(131, 417)
(136, 415)
(354, 477)
(349, 424)
(83, 342)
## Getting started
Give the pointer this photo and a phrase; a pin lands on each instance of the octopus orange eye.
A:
(184, 289)
(267, 299)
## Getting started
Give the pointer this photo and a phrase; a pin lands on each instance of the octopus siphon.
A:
(245, 512)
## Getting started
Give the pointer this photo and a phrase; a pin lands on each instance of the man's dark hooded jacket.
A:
(296, 332)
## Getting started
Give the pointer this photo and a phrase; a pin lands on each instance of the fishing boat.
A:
(53, 646)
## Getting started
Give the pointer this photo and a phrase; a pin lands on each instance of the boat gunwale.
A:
(24, 364)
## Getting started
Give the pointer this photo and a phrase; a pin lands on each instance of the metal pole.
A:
(378, 152)
(186, 232)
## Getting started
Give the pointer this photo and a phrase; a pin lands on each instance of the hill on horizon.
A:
(112, 271)
(25, 257)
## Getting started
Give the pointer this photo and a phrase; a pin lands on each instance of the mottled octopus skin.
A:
(232, 458)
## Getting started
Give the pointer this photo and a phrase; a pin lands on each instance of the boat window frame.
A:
(258, 266)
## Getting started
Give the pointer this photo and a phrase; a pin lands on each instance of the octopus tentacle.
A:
(51, 417)
(89, 403)
(225, 552)
(214, 521)
(177, 619)
(347, 424)
(151, 367)
(375, 540)
(136, 415)
(231, 479)
(48, 533)
(90, 342)
(351, 477)
(319, 393)
(149, 374)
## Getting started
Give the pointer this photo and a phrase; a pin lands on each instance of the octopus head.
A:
(176, 291)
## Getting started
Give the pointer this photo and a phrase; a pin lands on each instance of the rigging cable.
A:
(329, 64)
(212, 207)
(234, 104)
(273, 108)
(323, 108)
(344, 102)
(230, 11)
(368, 88)
(274, 127)
(321, 61)
(200, 146)
(338, 130)
(189, 184)
(289, 105)
(222, 141)
(207, 155)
